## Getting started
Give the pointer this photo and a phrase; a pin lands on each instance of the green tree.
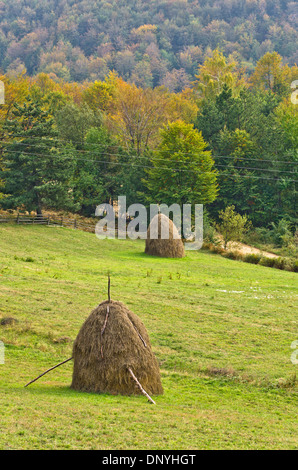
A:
(250, 136)
(183, 170)
(74, 121)
(36, 174)
(96, 178)
(131, 176)
(223, 112)
(232, 225)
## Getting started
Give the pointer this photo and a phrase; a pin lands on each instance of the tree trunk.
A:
(38, 207)
(37, 202)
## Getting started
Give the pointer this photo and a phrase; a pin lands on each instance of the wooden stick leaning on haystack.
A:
(60, 364)
(140, 386)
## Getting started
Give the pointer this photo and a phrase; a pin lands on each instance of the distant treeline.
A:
(149, 43)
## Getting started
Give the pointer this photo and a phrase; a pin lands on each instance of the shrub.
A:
(233, 255)
(290, 243)
(210, 235)
(279, 236)
(279, 263)
(252, 258)
(281, 233)
(289, 264)
(295, 266)
(265, 261)
(217, 249)
(207, 245)
(258, 235)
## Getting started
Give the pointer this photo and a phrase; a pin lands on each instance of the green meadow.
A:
(221, 329)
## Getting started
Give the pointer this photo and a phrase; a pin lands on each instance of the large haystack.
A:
(111, 341)
(156, 245)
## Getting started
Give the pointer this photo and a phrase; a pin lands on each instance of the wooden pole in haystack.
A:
(109, 288)
(107, 315)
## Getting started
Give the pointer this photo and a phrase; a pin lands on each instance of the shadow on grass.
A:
(64, 391)
(145, 256)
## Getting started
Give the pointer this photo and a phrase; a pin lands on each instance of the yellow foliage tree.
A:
(138, 113)
(182, 106)
(137, 116)
(216, 72)
(100, 94)
(15, 91)
(271, 74)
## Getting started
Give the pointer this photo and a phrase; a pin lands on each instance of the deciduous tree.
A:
(232, 225)
(183, 170)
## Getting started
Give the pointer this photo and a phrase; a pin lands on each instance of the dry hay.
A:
(171, 247)
(107, 346)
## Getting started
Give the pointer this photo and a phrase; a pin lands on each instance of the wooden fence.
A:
(74, 223)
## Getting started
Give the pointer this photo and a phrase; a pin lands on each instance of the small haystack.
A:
(156, 245)
(112, 354)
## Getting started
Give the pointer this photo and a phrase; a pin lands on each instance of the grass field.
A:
(221, 330)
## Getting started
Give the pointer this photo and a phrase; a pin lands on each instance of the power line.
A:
(261, 169)
(176, 161)
(143, 157)
(169, 160)
(98, 161)
(256, 160)
(144, 166)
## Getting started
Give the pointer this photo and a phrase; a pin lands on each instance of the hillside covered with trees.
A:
(147, 42)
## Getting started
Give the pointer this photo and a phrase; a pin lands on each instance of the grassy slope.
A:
(221, 330)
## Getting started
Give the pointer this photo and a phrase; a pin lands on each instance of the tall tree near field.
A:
(36, 174)
(96, 176)
(137, 116)
(183, 170)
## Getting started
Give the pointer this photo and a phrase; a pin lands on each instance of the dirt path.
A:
(247, 249)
